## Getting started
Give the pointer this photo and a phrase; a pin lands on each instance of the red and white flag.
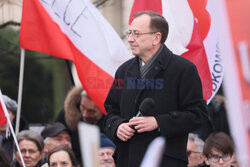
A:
(77, 31)
(233, 22)
(3, 119)
(192, 34)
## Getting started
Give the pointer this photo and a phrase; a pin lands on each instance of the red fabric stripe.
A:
(142, 5)
(3, 119)
(197, 54)
(39, 32)
(51, 40)
(94, 80)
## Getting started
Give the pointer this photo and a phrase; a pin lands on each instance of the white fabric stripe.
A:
(88, 30)
(213, 51)
(180, 20)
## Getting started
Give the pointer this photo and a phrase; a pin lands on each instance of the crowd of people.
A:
(54, 145)
(197, 134)
(58, 142)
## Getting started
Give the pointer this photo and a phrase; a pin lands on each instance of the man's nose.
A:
(221, 161)
(106, 156)
(66, 143)
(85, 114)
(131, 38)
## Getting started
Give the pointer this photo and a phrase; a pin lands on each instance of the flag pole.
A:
(70, 72)
(11, 128)
(20, 90)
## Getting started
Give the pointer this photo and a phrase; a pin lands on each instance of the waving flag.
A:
(192, 34)
(75, 30)
(3, 119)
(233, 22)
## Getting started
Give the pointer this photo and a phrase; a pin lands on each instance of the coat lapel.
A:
(133, 69)
(160, 64)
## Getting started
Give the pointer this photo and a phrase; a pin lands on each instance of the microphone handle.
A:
(137, 115)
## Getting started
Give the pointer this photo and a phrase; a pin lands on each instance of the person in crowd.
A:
(194, 150)
(6, 139)
(78, 106)
(62, 156)
(55, 134)
(31, 146)
(216, 118)
(106, 152)
(218, 150)
(173, 84)
(4, 158)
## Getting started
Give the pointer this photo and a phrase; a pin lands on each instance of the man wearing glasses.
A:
(194, 150)
(171, 81)
(218, 150)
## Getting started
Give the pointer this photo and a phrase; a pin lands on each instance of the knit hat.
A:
(106, 142)
(53, 129)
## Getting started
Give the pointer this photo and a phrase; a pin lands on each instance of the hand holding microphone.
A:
(144, 109)
(126, 131)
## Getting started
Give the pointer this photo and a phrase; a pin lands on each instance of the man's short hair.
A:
(84, 93)
(197, 141)
(32, 136)
(157, 23)
(219, 141)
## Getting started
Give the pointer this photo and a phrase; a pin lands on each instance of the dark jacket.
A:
(177, 92)
(216, 119)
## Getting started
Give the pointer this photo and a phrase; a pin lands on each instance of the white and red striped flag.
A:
(192, 35)
(75, 30)
(233, 22)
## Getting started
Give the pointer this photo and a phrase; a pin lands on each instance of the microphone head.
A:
(146, 106)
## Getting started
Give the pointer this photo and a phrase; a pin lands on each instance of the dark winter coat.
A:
(177, 92)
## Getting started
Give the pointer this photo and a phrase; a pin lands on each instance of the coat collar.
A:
(160, 64)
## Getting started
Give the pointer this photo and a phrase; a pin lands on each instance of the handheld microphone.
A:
(145, 107)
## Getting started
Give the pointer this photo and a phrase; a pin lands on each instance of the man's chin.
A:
(106, 165)
(89, 121)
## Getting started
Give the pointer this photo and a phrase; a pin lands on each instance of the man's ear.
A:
(41, 155)
(157, 38)
(46, 148)
(206, 160)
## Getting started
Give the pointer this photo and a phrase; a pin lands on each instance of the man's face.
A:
(194, 156)
(218, 159)
(90, 111)
(31, 154)
(141, 45)
(105, 157)
(62, 138)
